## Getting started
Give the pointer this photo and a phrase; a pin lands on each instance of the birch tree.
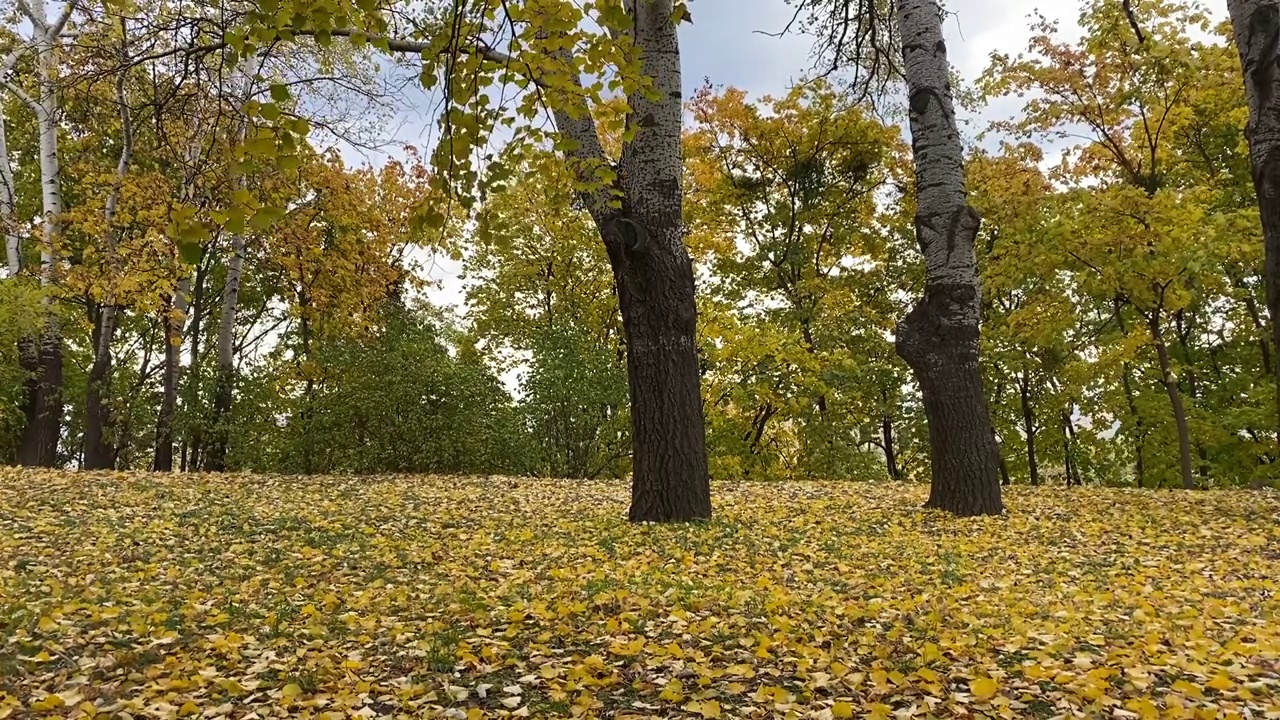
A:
(8, 207)
(44, 402)
(224, 385)
(1256, 24)
(98, 453)
(939, 338)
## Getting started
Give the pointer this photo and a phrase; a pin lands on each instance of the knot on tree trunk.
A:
(941, 329)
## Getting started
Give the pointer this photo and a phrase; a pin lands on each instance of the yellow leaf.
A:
(673, 692)
(705, 708)
(984, 688)
(291, 691)
(842, 709)
(188, 708)
(1221, 682)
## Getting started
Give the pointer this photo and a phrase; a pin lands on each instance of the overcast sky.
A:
(727, 45)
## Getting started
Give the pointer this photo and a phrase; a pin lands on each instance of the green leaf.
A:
(191, 252)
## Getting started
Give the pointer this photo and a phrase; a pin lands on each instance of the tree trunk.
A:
(215, 458)
(654, 275)
(44, 401)
(1126, 374)
(1257, 31)
(8, 207)
(43, 430)
(98, 453)
(1170, 383)
(939, 337)
(191, 446)
(163, 461)
(890, 452)
(1029, 427)
(1068, 449)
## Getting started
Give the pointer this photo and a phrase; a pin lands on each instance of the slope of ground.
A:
(162, 596)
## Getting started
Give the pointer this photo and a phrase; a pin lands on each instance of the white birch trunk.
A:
(1256, 24)
(215, 458)
(8, 207)
(44, 403)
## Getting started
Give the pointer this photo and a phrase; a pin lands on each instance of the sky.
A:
(728, 44)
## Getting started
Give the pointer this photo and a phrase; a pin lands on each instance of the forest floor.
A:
(200, 596)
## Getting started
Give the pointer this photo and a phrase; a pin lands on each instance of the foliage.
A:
(403, 400)
(195, 595)
(574, 399)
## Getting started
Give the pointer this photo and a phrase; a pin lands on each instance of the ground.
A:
(205, 596)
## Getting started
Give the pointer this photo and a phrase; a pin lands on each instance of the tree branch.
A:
(1133, 20)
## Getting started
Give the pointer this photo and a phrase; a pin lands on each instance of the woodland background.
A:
(217, 310)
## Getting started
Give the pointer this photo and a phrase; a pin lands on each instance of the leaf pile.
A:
(255, 596)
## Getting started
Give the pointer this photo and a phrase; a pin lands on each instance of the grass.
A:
(202, 596)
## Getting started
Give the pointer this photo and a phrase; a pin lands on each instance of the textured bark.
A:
(98, 453)
(43, 411)
(939, 337)
(1029, 427)
(1257, 31)
(44, 398)
(1170, 383)
(654, 278)
(163, 460)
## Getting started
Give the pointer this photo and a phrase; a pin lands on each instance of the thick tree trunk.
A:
(1257, 30)
(43, 430)
(163, 461)
(939, 337)
(1170, 383)
(654, 274)
(1029, 427)
(215, 459)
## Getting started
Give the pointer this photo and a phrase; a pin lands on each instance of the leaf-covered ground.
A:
(159, 596)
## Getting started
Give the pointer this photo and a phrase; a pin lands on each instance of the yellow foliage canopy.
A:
(164, 596)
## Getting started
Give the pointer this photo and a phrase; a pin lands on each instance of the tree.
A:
(43, 354)
(939, 338)
(635, 201)
(1257, 35)
(795, 199)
